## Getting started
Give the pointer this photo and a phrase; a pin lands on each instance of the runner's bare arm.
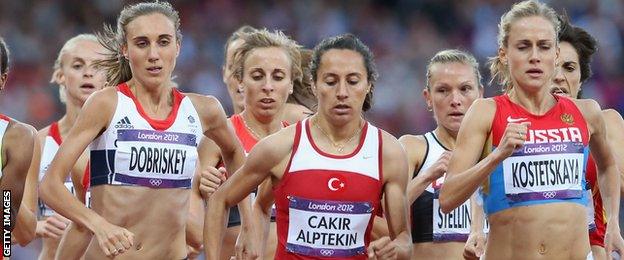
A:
(92, 120)
(262, 214)
(615, 135)
(217, 128)
(415, 148)
(608, 176)
(395, 180)
(209, 155)
(75, 239)
(464, 174)
(26, 223)
(260, 163)
(475, 244)
(74, 242)
(19, 143)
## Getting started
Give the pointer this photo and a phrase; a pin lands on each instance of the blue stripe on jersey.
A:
(496, 200)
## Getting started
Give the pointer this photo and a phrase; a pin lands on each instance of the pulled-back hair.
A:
(583, 43)
(4, 57)
(454, 56)
(235, 36)
(302, 90)
(116, 66)
(500, 72)
(265, 39)
(348, 42)
(58, 63)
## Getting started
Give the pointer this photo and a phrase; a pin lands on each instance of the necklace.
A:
(339, 148)
(256, 135)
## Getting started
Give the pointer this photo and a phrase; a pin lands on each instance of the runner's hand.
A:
(383, 248)
(475, 246)
(52, 227)
(439, 167)
(245, 248)
(513, 138)
(613, 240)
(113, 240)
(192, 252)
(210, 180)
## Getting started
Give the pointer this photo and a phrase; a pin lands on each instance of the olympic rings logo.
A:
(155, 182)
(327, 252)
(549, 194)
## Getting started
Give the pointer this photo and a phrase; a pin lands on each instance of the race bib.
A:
(454, 226)
(544, 171)
(327, 228)
(155, 159)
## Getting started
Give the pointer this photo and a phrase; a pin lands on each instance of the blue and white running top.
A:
(140, 151)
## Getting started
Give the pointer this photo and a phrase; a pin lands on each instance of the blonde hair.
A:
(500, 72)
(302, 90)
(116, 65)
(454, 56)
(58, 63)
(265, 39)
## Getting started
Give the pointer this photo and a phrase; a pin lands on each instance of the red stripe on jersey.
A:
(160, 125)
(596, 238)
(244, 136)
(86, 176)
(55, 133)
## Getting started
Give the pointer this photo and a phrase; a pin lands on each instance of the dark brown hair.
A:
(348, 42)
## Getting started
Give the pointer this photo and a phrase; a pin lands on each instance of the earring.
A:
(290, 91)
(429, 108)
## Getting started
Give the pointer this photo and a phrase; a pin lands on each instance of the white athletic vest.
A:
(137, 150)
(454, 226)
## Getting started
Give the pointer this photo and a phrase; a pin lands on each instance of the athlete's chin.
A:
(534, 84)
(267, 112)
(342, 118)
(155, 80)
(452, 125)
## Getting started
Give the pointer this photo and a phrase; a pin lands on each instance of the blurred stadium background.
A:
(403, 34)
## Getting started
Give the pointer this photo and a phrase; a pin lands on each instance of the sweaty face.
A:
(267, 81)
(453, 88)
(233, 87)
(341, 85)
(78, 74)
(567, 79)
(152, 48)
(531, 52)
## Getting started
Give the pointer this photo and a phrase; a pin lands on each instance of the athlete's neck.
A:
(537, 103)
(447, 138)
(338, 133)
(261, 127)
(156, 101)
(67, 121)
